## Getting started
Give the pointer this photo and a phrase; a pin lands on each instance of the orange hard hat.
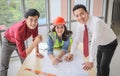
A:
(58, 21)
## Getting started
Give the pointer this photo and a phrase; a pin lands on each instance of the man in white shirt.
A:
(102, 40)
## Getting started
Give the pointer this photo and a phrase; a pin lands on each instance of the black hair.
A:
(66, 34)
(79, 6)
(32, 12)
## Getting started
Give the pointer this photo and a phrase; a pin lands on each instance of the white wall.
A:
(80, 2)
(55, 9)
(91, 7)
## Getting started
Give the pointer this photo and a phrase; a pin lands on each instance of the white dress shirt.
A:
(99, 34)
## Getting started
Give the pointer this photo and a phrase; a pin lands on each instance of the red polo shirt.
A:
(18, 33)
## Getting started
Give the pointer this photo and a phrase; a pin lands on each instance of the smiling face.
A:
(32, 22)
(60, 30)
(81, 15)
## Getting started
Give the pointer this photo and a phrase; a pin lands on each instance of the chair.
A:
(2, 29)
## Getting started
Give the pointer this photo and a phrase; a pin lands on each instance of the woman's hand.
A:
(57, 60)
(69, 57)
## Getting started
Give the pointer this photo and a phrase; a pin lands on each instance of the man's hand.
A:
(39, 55)
(69, 57)
(88, 66)
(38, 39)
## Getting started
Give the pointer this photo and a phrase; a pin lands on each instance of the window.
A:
(10, 12)
(40, 6)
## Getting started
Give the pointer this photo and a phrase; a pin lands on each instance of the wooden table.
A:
(73, 68)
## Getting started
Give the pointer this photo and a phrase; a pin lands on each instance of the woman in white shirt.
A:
(102, 39)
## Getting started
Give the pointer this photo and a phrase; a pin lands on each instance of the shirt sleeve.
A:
(93, 49)
(95, 40)
(76, 39)
(20, 44)
(50, 45)
(66, 44)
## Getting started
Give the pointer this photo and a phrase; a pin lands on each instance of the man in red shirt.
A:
(16, 35)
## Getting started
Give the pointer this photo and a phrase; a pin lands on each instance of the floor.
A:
(115, 63)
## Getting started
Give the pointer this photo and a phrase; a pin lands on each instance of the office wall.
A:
(97, 8)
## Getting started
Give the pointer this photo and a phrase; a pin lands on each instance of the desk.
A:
(73, 68)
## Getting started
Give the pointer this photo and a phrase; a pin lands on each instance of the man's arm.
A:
(34, 44)
(76, 40)
(37, 52)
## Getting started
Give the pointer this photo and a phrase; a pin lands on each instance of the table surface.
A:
(73, 68)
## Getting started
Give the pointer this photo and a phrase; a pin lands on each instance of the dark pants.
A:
(104, 56)
(7, 50)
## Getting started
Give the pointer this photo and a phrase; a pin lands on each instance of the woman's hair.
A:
(32, 12)
(66, 33)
